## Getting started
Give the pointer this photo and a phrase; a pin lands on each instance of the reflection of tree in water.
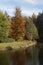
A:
(33, 60)
(41, 56)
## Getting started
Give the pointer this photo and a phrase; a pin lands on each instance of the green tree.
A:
(31, 30)
(4, 26)
(6, 14)
(39, 25)
(34, 18)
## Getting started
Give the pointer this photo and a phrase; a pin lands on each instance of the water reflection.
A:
(33, 56)
(33, 59)
(31, 63)
(41, 55)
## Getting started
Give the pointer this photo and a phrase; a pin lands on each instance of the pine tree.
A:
(17, 25)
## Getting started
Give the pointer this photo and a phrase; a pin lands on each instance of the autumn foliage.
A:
(17, 25)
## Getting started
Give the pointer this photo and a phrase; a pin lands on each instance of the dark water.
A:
(31, 63)
(37, 57)
(34, 60)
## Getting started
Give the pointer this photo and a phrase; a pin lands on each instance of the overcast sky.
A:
(27, 6)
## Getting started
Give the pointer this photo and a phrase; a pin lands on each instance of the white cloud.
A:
(30, 12)
(36, 1)
(33, 1)
(27, 12)
(30, 1)
(8, 9)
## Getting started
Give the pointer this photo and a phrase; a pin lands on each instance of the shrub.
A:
(7, 40)
(9, 48)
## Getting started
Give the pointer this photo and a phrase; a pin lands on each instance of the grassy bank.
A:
(17, 45)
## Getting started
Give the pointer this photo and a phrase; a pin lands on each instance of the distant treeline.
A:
(19, 27)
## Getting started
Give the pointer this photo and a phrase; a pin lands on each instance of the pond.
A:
(37, 56)
(33, 58)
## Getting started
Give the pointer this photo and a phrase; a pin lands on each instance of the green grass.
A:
(17, 45)
(7, 40)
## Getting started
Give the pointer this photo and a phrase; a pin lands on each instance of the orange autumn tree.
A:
(17, 25)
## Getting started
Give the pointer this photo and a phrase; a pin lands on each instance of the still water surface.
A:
(35, 59)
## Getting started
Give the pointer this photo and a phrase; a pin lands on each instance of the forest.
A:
(20, 28)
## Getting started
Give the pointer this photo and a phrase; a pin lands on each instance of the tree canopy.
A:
(4, 26)
(39, 25)
(31, 30)
(17, 25)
